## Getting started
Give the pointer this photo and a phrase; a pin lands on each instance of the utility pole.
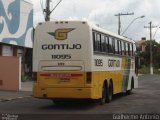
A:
(151, 55)
(119, 20)
(47, 11)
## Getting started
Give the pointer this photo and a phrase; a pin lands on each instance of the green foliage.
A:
(25, 77)
(156, 71)
(145, 56)
(144, 70)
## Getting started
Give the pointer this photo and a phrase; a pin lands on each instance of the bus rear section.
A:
(60, 60)
(61, 79)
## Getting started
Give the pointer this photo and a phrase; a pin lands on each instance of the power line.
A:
(56, 6)
(132, 23)
(48, 11)
(119, 20)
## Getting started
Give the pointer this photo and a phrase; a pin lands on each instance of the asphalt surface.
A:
(143, 100)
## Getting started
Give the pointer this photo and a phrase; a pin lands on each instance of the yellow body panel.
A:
(78, 93)
(116, 77)
(61, 79)
(76, 87)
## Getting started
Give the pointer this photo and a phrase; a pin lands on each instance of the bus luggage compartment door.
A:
(61, 74)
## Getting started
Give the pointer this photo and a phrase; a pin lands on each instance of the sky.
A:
(102, 12)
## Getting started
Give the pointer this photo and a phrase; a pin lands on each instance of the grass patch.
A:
(156, 71)
(146, 70)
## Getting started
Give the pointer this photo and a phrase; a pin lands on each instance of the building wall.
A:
(141, 45)
(16, 34)
(9, 50)
(16, 22)
(10, 73)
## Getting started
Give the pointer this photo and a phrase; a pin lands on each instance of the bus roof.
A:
(97, 28)
(92, 26)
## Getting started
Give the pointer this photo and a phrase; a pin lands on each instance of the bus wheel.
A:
(109, 95)
(104, 93)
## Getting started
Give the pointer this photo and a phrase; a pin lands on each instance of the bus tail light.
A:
(88, 77)
(34, 76)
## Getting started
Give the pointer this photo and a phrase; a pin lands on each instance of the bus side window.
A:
(98, 42)
(134, 50)
(123, 48)
(116, 46)
(120, 47)
(131, 49)
(113, 45)
(107, 44)
(94, 41)
(110, 45)
(128, 46)
(103, 43)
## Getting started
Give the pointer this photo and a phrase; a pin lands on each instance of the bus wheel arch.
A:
(128, 92)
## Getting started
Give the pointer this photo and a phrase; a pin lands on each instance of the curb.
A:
(10, 99)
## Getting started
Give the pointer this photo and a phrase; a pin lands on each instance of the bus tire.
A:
(109, 95)
(104, 93)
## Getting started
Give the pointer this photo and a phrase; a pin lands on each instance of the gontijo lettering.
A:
(113, 63)
(61, 46)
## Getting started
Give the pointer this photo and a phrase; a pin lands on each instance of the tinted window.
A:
(94, 41)
(103, 43)
(123, 48)
(107, 44)
(98, 41)
(116, 46)
(131, 47)
(126, 46)
(134, 49)
(120, 47)
(113, 45)
(110, 45)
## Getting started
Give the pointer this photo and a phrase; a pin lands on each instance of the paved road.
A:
(145, 99)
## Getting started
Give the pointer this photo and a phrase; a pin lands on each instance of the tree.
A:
(145, 56)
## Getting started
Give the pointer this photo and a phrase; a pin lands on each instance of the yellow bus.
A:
(79, 60)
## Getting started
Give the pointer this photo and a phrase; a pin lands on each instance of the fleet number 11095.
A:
(64, 56)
